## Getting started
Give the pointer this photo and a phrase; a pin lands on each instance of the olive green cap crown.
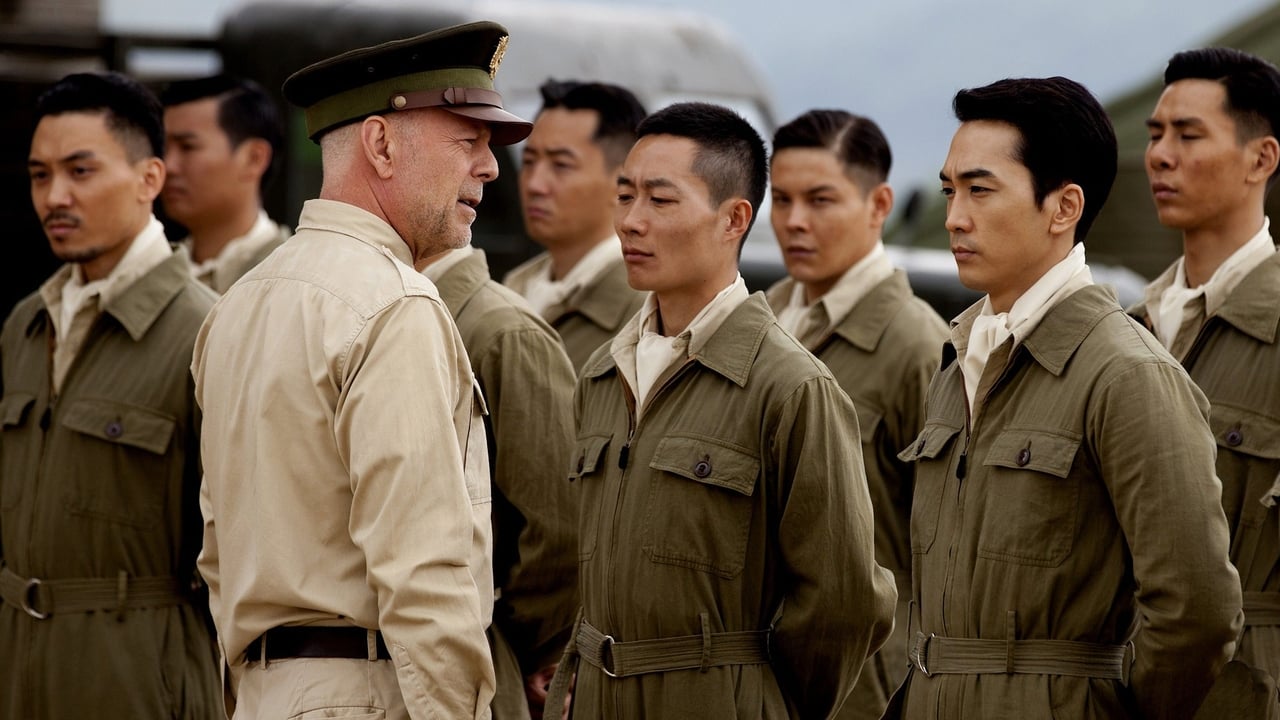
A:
(451, 68)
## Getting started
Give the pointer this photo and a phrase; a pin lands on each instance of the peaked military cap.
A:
(451, 68)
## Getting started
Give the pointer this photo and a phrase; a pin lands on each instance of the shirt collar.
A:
(730, 351)
(458, 276)
(356, 223)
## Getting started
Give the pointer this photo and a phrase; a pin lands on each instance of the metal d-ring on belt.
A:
(41, 598)
(639, 657)
(933, 655)
(1261, 608)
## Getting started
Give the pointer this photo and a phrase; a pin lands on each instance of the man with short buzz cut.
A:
(850, 307)
(1069, 551)
(223, 135)
(727, 566)
(1212, 158)
(568, 170)
(346, 490)
(101, 611)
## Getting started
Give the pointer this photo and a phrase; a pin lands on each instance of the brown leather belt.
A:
(1261, 608)
(298, 641)
(933, 655)
(41, 598)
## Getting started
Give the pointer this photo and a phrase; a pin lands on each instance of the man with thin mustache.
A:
(102, 612)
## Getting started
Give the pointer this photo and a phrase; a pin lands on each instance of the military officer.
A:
(222, 134)
(848, 305)
(1065, 491)
(1212, 158)
(527, 382)
(346, 493)
(727, 567)
(99, 452)
(567, 186)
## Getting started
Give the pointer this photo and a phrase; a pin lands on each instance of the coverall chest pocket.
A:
(587, 467)
(15, 409)
(1032, 499)
(929, 453)
(1249, 452)
(120, 467)
(700, 504)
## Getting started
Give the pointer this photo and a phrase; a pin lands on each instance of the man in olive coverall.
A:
(725, 533)
(1065, 491)
(102, 615)
(1212, 158)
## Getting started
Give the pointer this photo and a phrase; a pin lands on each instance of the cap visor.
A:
(506, 129)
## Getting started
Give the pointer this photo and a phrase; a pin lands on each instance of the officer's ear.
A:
(376, 142)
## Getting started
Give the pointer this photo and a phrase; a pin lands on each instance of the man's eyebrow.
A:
(1182, 122)
(624, 180)
(73, 157)
(819, 189)
(973, 174)
(658, 183)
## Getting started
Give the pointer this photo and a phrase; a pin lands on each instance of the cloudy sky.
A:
(898, 62)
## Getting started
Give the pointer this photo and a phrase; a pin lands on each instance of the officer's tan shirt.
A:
(592, 313)
(1079, 502)
(346, 477)
(238, 256)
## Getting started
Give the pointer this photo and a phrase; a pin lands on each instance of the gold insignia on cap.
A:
(497, 56)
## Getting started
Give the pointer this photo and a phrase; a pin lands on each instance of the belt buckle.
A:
(606, 650)
(28, 593)
(922, 652)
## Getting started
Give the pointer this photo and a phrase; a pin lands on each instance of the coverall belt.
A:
(318, 642)
(1261, 608)
(687, 652)
(42, 598)
(935, 655)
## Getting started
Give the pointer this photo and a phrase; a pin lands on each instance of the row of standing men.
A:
(1052, 531)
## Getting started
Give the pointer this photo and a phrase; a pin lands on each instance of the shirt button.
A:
(114, 429)
(703, 468)
(1235, 437)
(1024, 457)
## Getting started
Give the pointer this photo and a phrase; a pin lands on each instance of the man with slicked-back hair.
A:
(1069, 551)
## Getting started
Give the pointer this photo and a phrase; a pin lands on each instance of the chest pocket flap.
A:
(707, 461)
(13, 408)
(117, 422)
(1037, 450)
(588, 457)
(1245, 431)
(931, 441)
